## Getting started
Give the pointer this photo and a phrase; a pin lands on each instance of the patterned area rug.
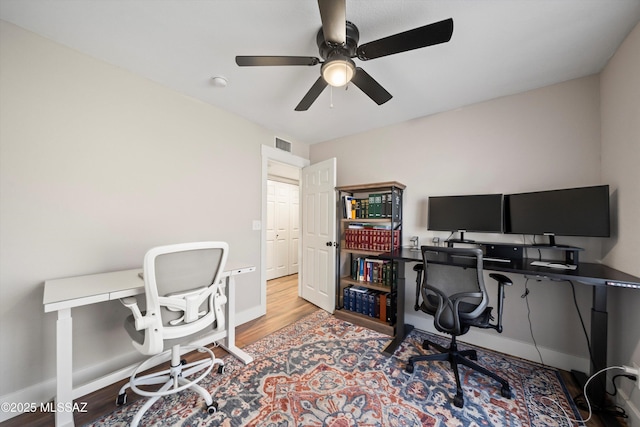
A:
(322, 371)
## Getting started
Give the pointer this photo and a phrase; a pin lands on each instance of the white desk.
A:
(62, 295)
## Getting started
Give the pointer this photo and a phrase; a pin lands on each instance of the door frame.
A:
(275, 154)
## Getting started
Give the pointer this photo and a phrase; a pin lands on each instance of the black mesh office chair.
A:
(453, 292)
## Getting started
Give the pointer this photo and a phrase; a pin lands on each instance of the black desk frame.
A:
(599, 276)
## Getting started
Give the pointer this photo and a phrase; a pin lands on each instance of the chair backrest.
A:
(453, 287)
(181, 282)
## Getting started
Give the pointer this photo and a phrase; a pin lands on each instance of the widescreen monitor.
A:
(479, 212)
(582, 211)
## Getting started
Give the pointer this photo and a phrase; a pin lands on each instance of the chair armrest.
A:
(141, 322)
(502, 281)
(129, 301)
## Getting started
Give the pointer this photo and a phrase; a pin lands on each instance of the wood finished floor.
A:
(283, 308)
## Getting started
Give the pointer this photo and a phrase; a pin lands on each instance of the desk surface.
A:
(588, 273)
(82, 290)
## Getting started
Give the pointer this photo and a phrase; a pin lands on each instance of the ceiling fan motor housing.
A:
(328, 49)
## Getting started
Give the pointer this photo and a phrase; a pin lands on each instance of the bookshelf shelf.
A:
(365, 220)
(360, 251)
(347, 280)
(366, 321)
(370, 225)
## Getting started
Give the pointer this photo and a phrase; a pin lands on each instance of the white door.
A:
(270, 229)
(319, 234)
(282, 229)
(294, 228)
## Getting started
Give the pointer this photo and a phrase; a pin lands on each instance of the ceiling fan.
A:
(337, 41)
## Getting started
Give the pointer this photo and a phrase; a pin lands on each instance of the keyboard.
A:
(558, 265)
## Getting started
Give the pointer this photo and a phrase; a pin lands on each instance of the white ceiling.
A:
(498, 48)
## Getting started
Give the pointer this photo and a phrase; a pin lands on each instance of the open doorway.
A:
(317, 249)
(282, 226)
(275, 158)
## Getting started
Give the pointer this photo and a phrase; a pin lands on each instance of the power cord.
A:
(613, 381)
(614, 410)
(525, 296)
(571, 420)
(584, 329)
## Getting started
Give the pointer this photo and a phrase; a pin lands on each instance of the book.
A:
(348, 207)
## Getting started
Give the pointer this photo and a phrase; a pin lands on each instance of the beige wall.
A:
(620, 112)
(97, 166)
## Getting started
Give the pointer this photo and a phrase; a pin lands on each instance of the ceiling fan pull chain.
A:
(331, 96)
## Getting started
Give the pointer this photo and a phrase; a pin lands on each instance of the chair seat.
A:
(482, 321)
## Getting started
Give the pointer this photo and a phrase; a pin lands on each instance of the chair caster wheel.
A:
(409, 368)
(213, 408)
(473, 356)
(458, 401)
(121, 399)
(506, 392)
(221, 369)
(425, 345)
(183, 362)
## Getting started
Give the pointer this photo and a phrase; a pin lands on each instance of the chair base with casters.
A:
(457, 357)
(178, 377)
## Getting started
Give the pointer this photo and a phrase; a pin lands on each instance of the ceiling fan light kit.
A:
(337, 42)
(338, 72)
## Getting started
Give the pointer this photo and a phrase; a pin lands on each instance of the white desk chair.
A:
(184, 299)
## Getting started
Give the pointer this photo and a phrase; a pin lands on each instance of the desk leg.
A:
(599, 326)
(229, 343)
(64, 367)
(402, 330)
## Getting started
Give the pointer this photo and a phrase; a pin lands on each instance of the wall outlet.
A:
(634, 371)
(257, 225)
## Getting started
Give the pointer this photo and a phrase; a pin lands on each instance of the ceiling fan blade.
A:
(312, 95)
(334, 17)
(250, 61)
(436, 33)
(370, 87)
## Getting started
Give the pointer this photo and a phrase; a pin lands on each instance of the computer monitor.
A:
(479, 212)
(582, 211)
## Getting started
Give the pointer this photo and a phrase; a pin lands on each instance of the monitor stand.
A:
(462, 239)
(571, 252)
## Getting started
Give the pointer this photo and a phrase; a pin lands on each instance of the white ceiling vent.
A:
(283, 145)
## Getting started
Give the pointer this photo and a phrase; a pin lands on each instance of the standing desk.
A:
(599, 276)
(62, 295)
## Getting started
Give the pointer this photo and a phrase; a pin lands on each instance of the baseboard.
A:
(498, 342)
(248, 315)
(36, 394)
(106, 373)
(633, 412)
